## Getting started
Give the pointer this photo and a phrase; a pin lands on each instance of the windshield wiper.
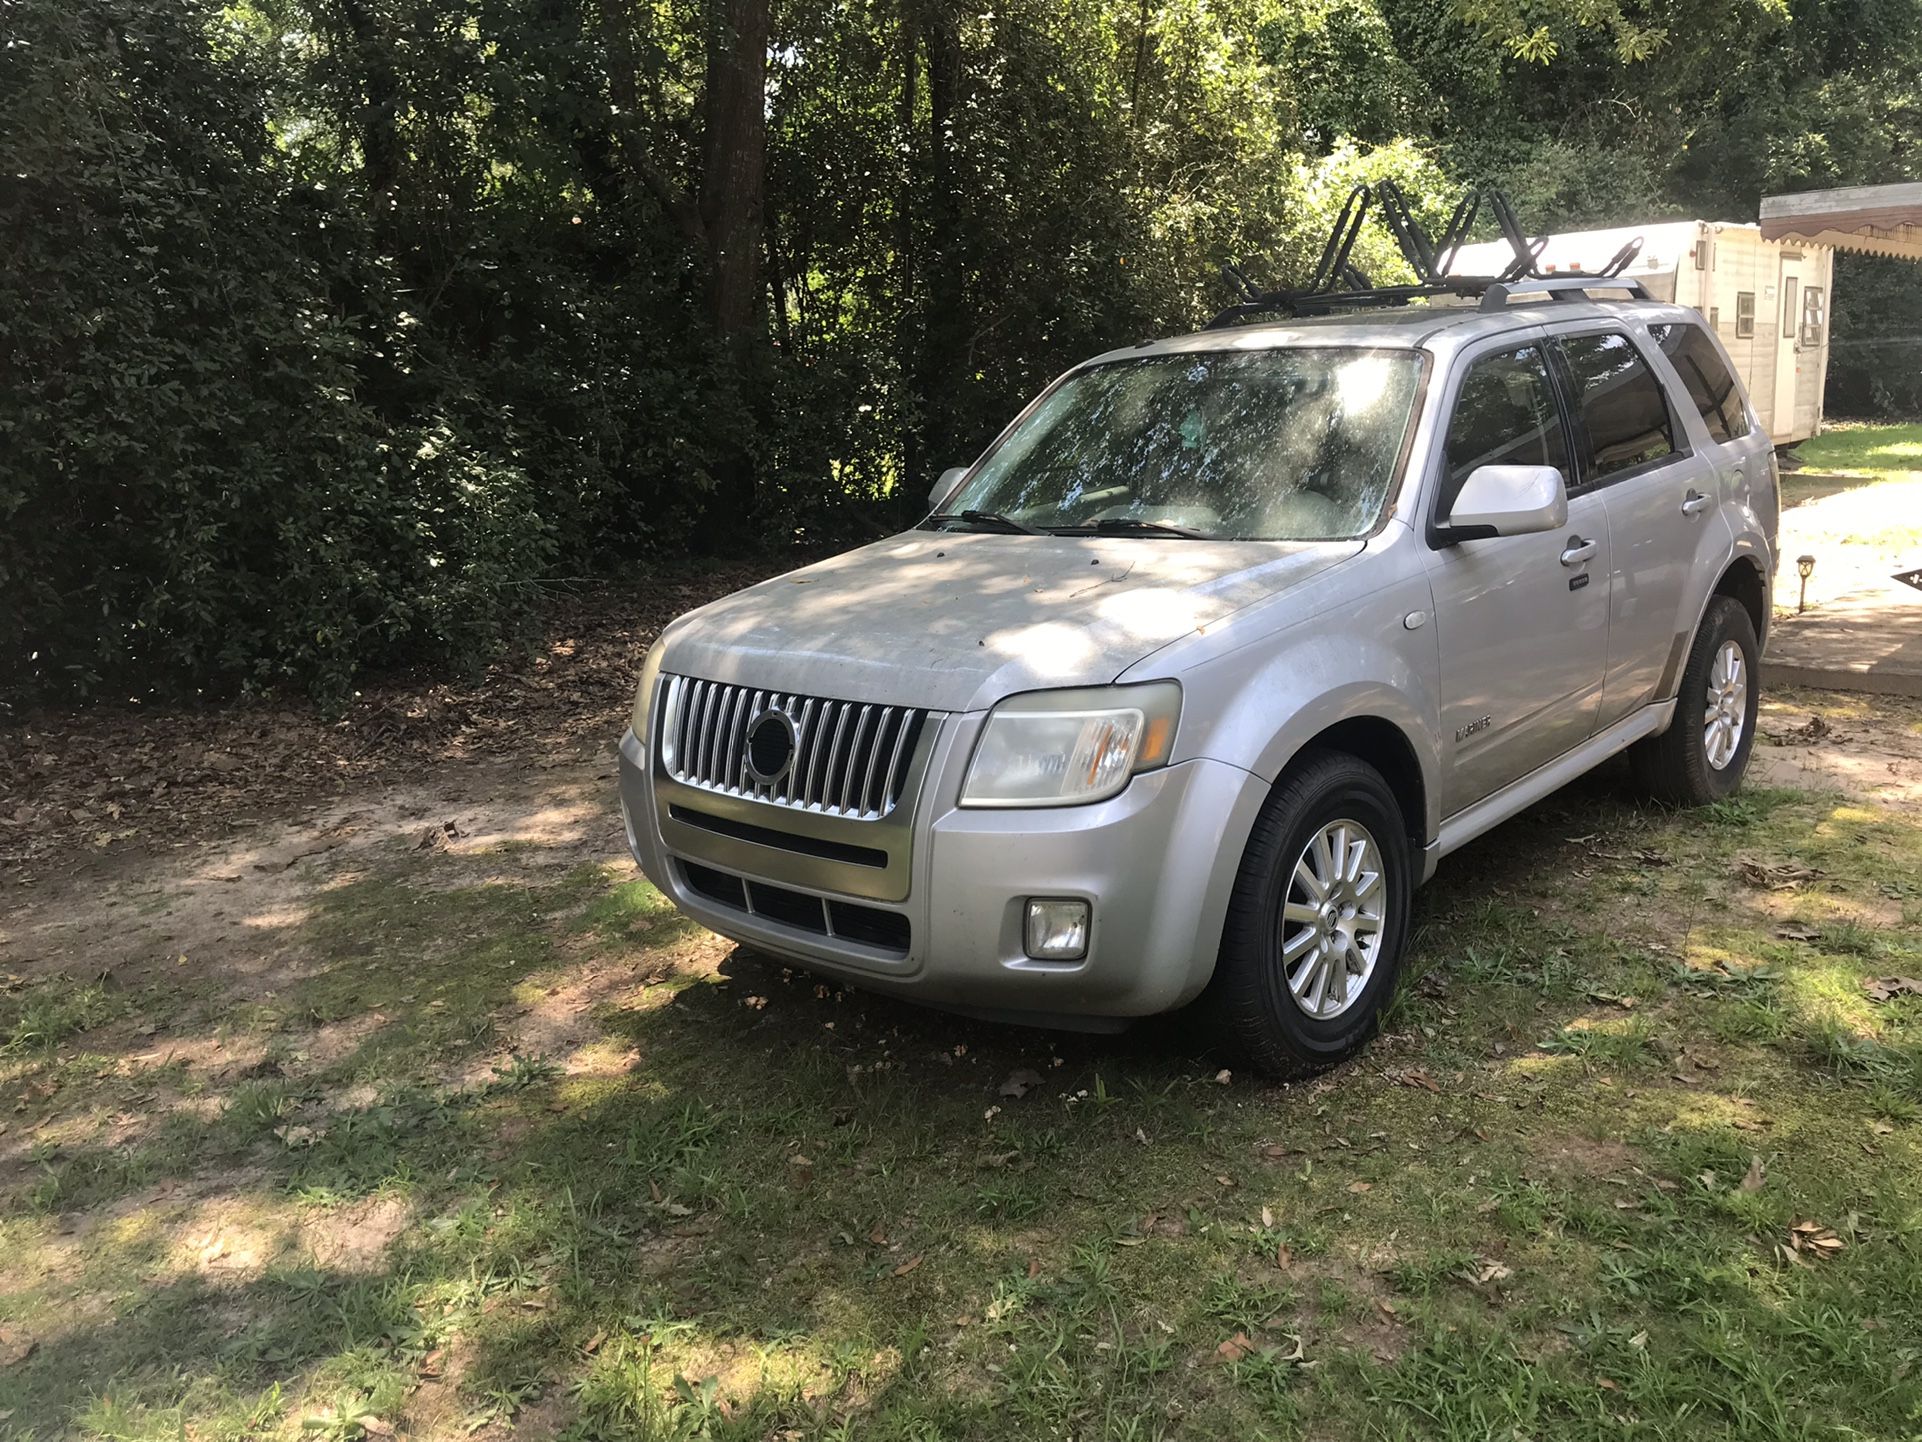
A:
(1131, 526)
(992, 519)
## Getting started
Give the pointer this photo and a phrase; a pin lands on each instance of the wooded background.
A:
(335, 333)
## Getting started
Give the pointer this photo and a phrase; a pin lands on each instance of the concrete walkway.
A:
(1867, 640)
(1863, 630)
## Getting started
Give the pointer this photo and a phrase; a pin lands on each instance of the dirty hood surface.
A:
(956, 620)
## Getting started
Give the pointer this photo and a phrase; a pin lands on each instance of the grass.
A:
(1860, 450)
(512, 1147)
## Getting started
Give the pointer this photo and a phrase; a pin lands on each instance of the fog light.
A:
(1057, 930)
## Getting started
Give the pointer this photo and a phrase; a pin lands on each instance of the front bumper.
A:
(1157, 864)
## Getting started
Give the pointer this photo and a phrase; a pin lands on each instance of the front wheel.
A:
(1702, 755)
(1318, 921)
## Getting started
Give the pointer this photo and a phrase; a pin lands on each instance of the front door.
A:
(1522, 621)
(1786, 327)
(1634, 452)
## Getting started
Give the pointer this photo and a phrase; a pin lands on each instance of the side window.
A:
(1814, 318)
(1621, 404)
(1709, 383)
(1744, 314)
(1791, 308)
(1505, 415)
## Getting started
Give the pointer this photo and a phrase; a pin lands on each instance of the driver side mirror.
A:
(946, 486)
(1507, 501)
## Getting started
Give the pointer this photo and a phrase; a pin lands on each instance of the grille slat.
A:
(850, 759)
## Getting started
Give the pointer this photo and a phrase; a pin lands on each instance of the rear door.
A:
(1635, 452)
(1521, 621)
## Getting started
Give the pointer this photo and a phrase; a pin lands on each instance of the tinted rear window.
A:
(1622, 406)
(1709, 383)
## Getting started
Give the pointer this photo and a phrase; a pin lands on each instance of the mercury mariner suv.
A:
(1188, 682)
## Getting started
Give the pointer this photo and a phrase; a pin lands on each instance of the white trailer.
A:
(1768, 300)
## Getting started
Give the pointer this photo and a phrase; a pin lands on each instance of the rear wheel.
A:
(1318, 921)
(1704, 752)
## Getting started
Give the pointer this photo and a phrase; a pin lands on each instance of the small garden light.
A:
(1804, 567)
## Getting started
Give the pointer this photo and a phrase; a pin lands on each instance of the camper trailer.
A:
(1768, 300)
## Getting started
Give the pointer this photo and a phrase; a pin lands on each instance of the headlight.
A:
(1067, 748)
(644, 692)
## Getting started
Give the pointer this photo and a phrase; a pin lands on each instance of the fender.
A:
(1257, 693)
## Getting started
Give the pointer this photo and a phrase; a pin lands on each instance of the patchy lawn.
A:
(1857, 451)
(423, 1116)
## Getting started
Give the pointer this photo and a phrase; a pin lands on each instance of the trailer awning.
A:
(1870, 219)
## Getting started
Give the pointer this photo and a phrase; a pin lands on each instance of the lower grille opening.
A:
(869, 924)
(845, 920)
(715, 885)
(795, 908)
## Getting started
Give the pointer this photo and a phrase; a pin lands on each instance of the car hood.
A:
(956, 620)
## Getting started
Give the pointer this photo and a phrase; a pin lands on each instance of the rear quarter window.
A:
(1710, 385)
(1623, 410)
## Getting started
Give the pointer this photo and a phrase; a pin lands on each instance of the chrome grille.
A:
(850, 758)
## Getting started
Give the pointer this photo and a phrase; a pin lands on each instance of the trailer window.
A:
(1744, 314)
(1790, 316)
(1814, 316)
(1622, 406)
(1710, 386)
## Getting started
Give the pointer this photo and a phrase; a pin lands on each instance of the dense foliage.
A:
(331, 331)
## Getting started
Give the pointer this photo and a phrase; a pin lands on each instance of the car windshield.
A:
(1274, 445)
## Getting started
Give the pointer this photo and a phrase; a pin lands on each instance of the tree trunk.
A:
(945, 326)
(380, 147)
(734, 162)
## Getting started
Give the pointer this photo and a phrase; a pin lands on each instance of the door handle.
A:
(1694, 503)
(1578, 551)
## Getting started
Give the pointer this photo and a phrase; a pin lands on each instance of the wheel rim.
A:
(1332, 919)
(1727, 714)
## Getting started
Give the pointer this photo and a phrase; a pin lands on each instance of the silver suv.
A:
(1196, 674)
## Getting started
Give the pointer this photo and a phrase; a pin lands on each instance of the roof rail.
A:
(1339, 284)
(1560, 287)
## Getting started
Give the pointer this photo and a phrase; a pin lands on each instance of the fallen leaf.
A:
(1267, 1216)
(15, 1345)
(1796, 931)
(1782, 876)
(1887, 988)
(1223, 1077)
(1235, 1348)
(879, 1236)
(375, 1426)
(1283, 1257)
(1360, 1187)
(909, 1265)
(800, 1171)
(1416, 1077)
(1608, 1383)
(1034, 1267)
(593, 1343)
(1020, 1082)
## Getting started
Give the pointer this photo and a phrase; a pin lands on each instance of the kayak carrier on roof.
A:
(1339, 284)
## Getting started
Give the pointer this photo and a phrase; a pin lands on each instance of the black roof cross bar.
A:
(1496, 294)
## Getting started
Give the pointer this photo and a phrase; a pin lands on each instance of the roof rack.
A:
(1339, 284)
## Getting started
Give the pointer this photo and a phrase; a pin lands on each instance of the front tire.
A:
(1704, 752)
(1318, 922)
